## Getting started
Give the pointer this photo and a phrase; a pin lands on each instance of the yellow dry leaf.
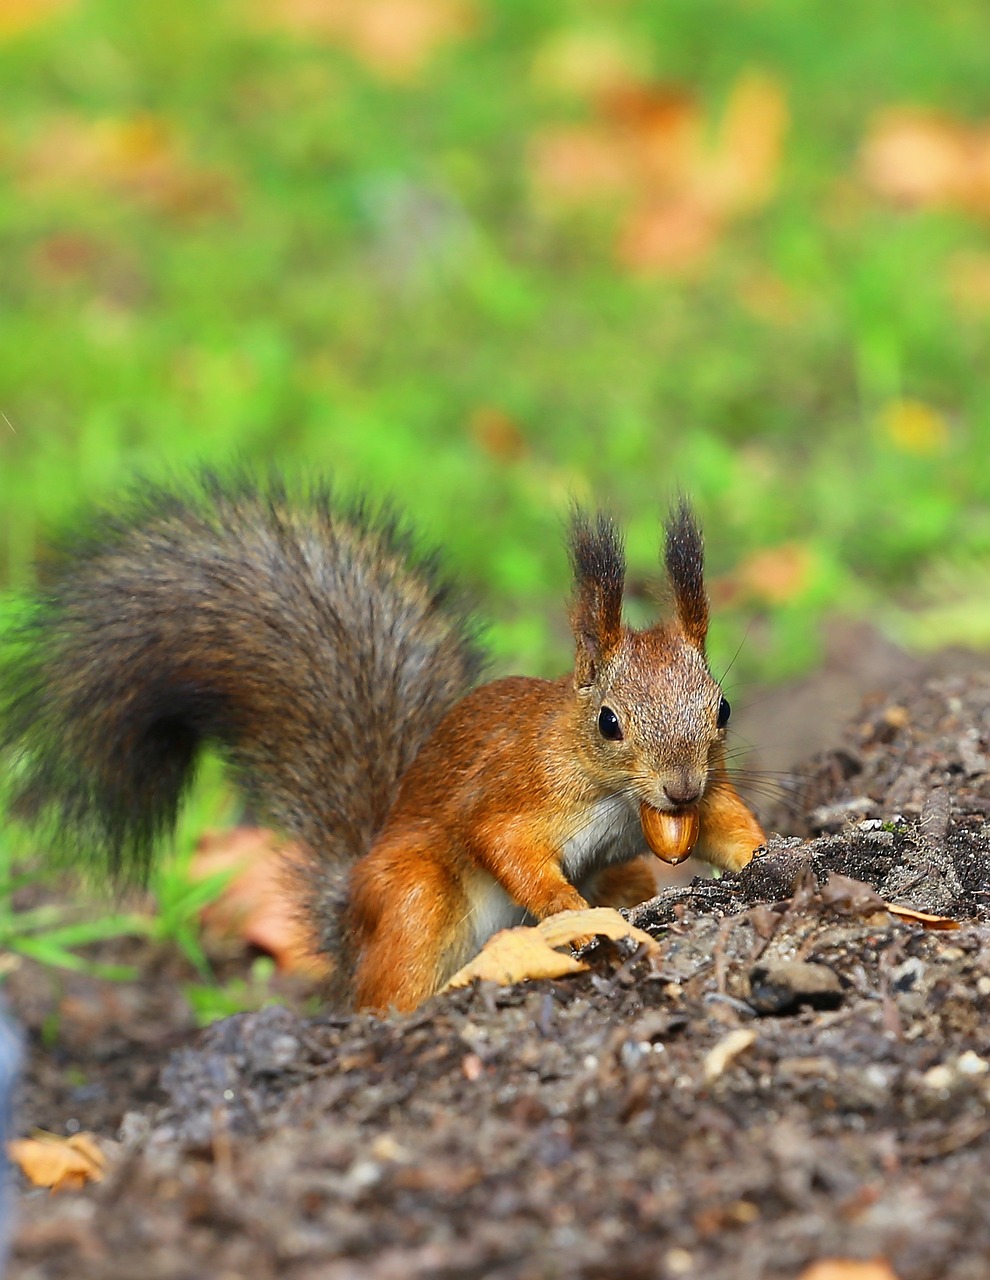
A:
(393, 38)
(140, 156)
(723, 1054)
(515, 955)
(63, 1164)
(915, 427)
(527, 952)
(848, 1269)
(742, 174)
(921, 917)
(17, 16)
(923, 159)
(600, 922)
(587, 62)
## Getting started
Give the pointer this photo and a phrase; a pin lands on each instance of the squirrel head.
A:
(650, 713)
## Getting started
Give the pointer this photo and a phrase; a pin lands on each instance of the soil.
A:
(799, 1074)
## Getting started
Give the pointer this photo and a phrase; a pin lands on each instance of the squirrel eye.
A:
(724, 711)
(608, 725)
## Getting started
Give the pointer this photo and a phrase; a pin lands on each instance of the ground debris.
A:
(795, 1079)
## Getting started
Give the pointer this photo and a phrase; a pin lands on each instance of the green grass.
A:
(363, 268)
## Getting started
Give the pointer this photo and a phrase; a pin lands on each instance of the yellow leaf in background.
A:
(915, 427)
(141, 156)
(17, 16)
(586, 63)
(393, 38)
(63, 1164)
(742, 174)
(919, 158)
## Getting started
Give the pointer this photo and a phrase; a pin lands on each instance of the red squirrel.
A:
(335, 668)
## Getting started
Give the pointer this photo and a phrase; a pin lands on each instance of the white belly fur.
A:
(611, 833)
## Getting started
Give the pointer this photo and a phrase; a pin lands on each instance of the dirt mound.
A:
(799, 1074)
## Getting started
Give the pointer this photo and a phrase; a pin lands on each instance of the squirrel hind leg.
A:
(408, 917)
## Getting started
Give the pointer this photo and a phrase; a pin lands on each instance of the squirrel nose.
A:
(682, 792)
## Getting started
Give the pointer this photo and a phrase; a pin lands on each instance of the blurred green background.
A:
(484, 257)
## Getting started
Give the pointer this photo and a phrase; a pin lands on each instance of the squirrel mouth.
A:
(671, 834)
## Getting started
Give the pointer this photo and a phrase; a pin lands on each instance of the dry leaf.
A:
(848, 1269)
(527, 952)
(497, 434)
(648, 150)
(258, 905)
(140, 156)
(393, 38)
(742, 174)
(726, 1051)
(601, 922)
(515, 955)
(921, 917)
(64, 1164)
(922, 159)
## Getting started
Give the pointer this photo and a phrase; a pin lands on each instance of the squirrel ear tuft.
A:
(598, 562)
(684, 556)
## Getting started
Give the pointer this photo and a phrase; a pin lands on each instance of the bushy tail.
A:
(309, 641)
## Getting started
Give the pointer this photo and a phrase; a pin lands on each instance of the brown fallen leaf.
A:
(649, 150)
(497, 434)
(258, 904)
(921, 917)
(848, 1269)
(63, 1164)
(528, 952)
